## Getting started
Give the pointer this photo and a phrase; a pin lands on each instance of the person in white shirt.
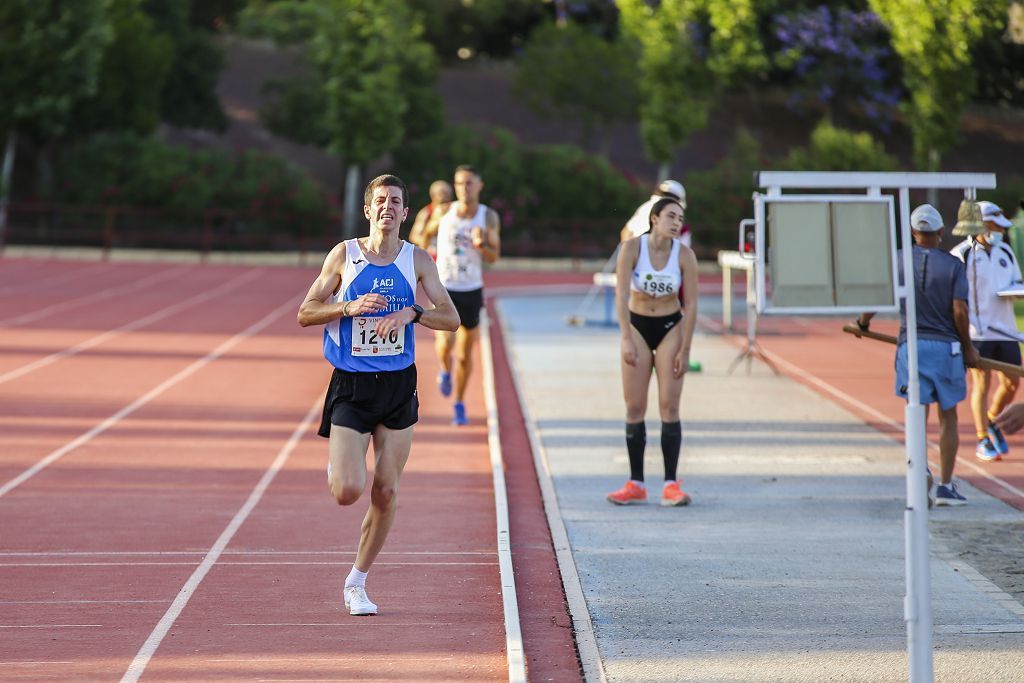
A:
(468, 235)
(639, 222)
(991, 267)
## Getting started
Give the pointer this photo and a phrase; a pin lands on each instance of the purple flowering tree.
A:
(838, 59)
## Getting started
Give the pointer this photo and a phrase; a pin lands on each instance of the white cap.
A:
(992, 212)
(925, 219)
(673, 188)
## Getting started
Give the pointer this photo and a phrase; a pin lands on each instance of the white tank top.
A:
(458, 262)
(656, 282)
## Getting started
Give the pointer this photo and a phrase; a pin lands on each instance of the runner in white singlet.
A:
(468, 236)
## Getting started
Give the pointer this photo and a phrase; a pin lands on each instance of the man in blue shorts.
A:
(991, 267)
(366, 296)
(943, 339)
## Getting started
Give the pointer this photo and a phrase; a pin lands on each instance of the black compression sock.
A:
(671, 442)
(636, 443)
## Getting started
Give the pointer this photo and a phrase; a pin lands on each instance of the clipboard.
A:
(1014, 291)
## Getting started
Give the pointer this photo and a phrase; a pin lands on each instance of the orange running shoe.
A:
(630, 494)
(673, 496)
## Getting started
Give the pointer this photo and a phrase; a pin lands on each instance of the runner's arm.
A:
(961, 321)
(315, 310)
(628, 253)
(443, 315)
(416, 232)
(488, 241)
(688, 264)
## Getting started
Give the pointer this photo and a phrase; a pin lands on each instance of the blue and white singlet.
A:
(350, 343)
(656, 282)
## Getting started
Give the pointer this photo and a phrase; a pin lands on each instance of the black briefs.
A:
(654, 328)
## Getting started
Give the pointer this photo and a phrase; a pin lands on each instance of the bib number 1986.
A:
(366, 341)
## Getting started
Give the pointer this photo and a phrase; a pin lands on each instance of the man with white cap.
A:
(991, 267)
(943, 340)
(640, 222)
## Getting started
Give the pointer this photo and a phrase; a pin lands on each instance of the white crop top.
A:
(653, 282)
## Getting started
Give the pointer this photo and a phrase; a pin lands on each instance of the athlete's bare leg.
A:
(464, 341)
(636, 379)
(391, 451)
(443, 344)
(979, 394)
(346, 451)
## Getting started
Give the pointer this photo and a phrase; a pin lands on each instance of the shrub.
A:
(837, 149)
(541, 192)
(717, 200)
(130, 170)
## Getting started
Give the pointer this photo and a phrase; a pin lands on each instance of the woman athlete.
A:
(649, 272)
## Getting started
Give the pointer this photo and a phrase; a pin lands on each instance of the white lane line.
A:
(33, 284)
(274, 564)
(77, 602)
(358, 624)
(586, 641)
(876, 415)
(127, 553)
(510, 604)
(182, 374)
(134, 325)
(145, 653)
(134, 286)
(31, 663)
(51, 626)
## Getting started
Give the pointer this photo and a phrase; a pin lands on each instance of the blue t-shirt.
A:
(939, 278)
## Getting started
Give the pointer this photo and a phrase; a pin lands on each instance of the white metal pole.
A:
(917, 607)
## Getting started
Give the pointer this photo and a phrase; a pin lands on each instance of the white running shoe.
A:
(357, 603)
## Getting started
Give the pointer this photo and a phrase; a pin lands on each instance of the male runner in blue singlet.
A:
(366, 296)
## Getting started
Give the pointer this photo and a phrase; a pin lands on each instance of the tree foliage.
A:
(189, 97)
(689, 49)
(353, 49)
(50, 53)
(934, 39)
(132, 73)
(568, 72)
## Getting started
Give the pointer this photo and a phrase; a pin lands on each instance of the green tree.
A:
(132, 74)
(568, 72)
(189, 97)
(934, 39)
(50, 54)
(371, 86)
(682, 69)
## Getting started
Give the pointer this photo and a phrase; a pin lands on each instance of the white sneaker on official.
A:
(357, 603)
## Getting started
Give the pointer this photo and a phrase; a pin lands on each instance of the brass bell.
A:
(968, 219)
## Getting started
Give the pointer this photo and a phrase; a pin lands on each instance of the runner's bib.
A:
(657, 284)
(366, 341)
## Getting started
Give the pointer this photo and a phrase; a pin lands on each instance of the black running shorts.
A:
(468, 304)
(363, 400)
(1005, 351)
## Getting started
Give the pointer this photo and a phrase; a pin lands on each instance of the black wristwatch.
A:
(419, 313)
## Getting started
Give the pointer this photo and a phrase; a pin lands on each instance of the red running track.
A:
(164, 505)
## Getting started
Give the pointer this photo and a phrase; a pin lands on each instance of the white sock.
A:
(356, 578)
(948, 483)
